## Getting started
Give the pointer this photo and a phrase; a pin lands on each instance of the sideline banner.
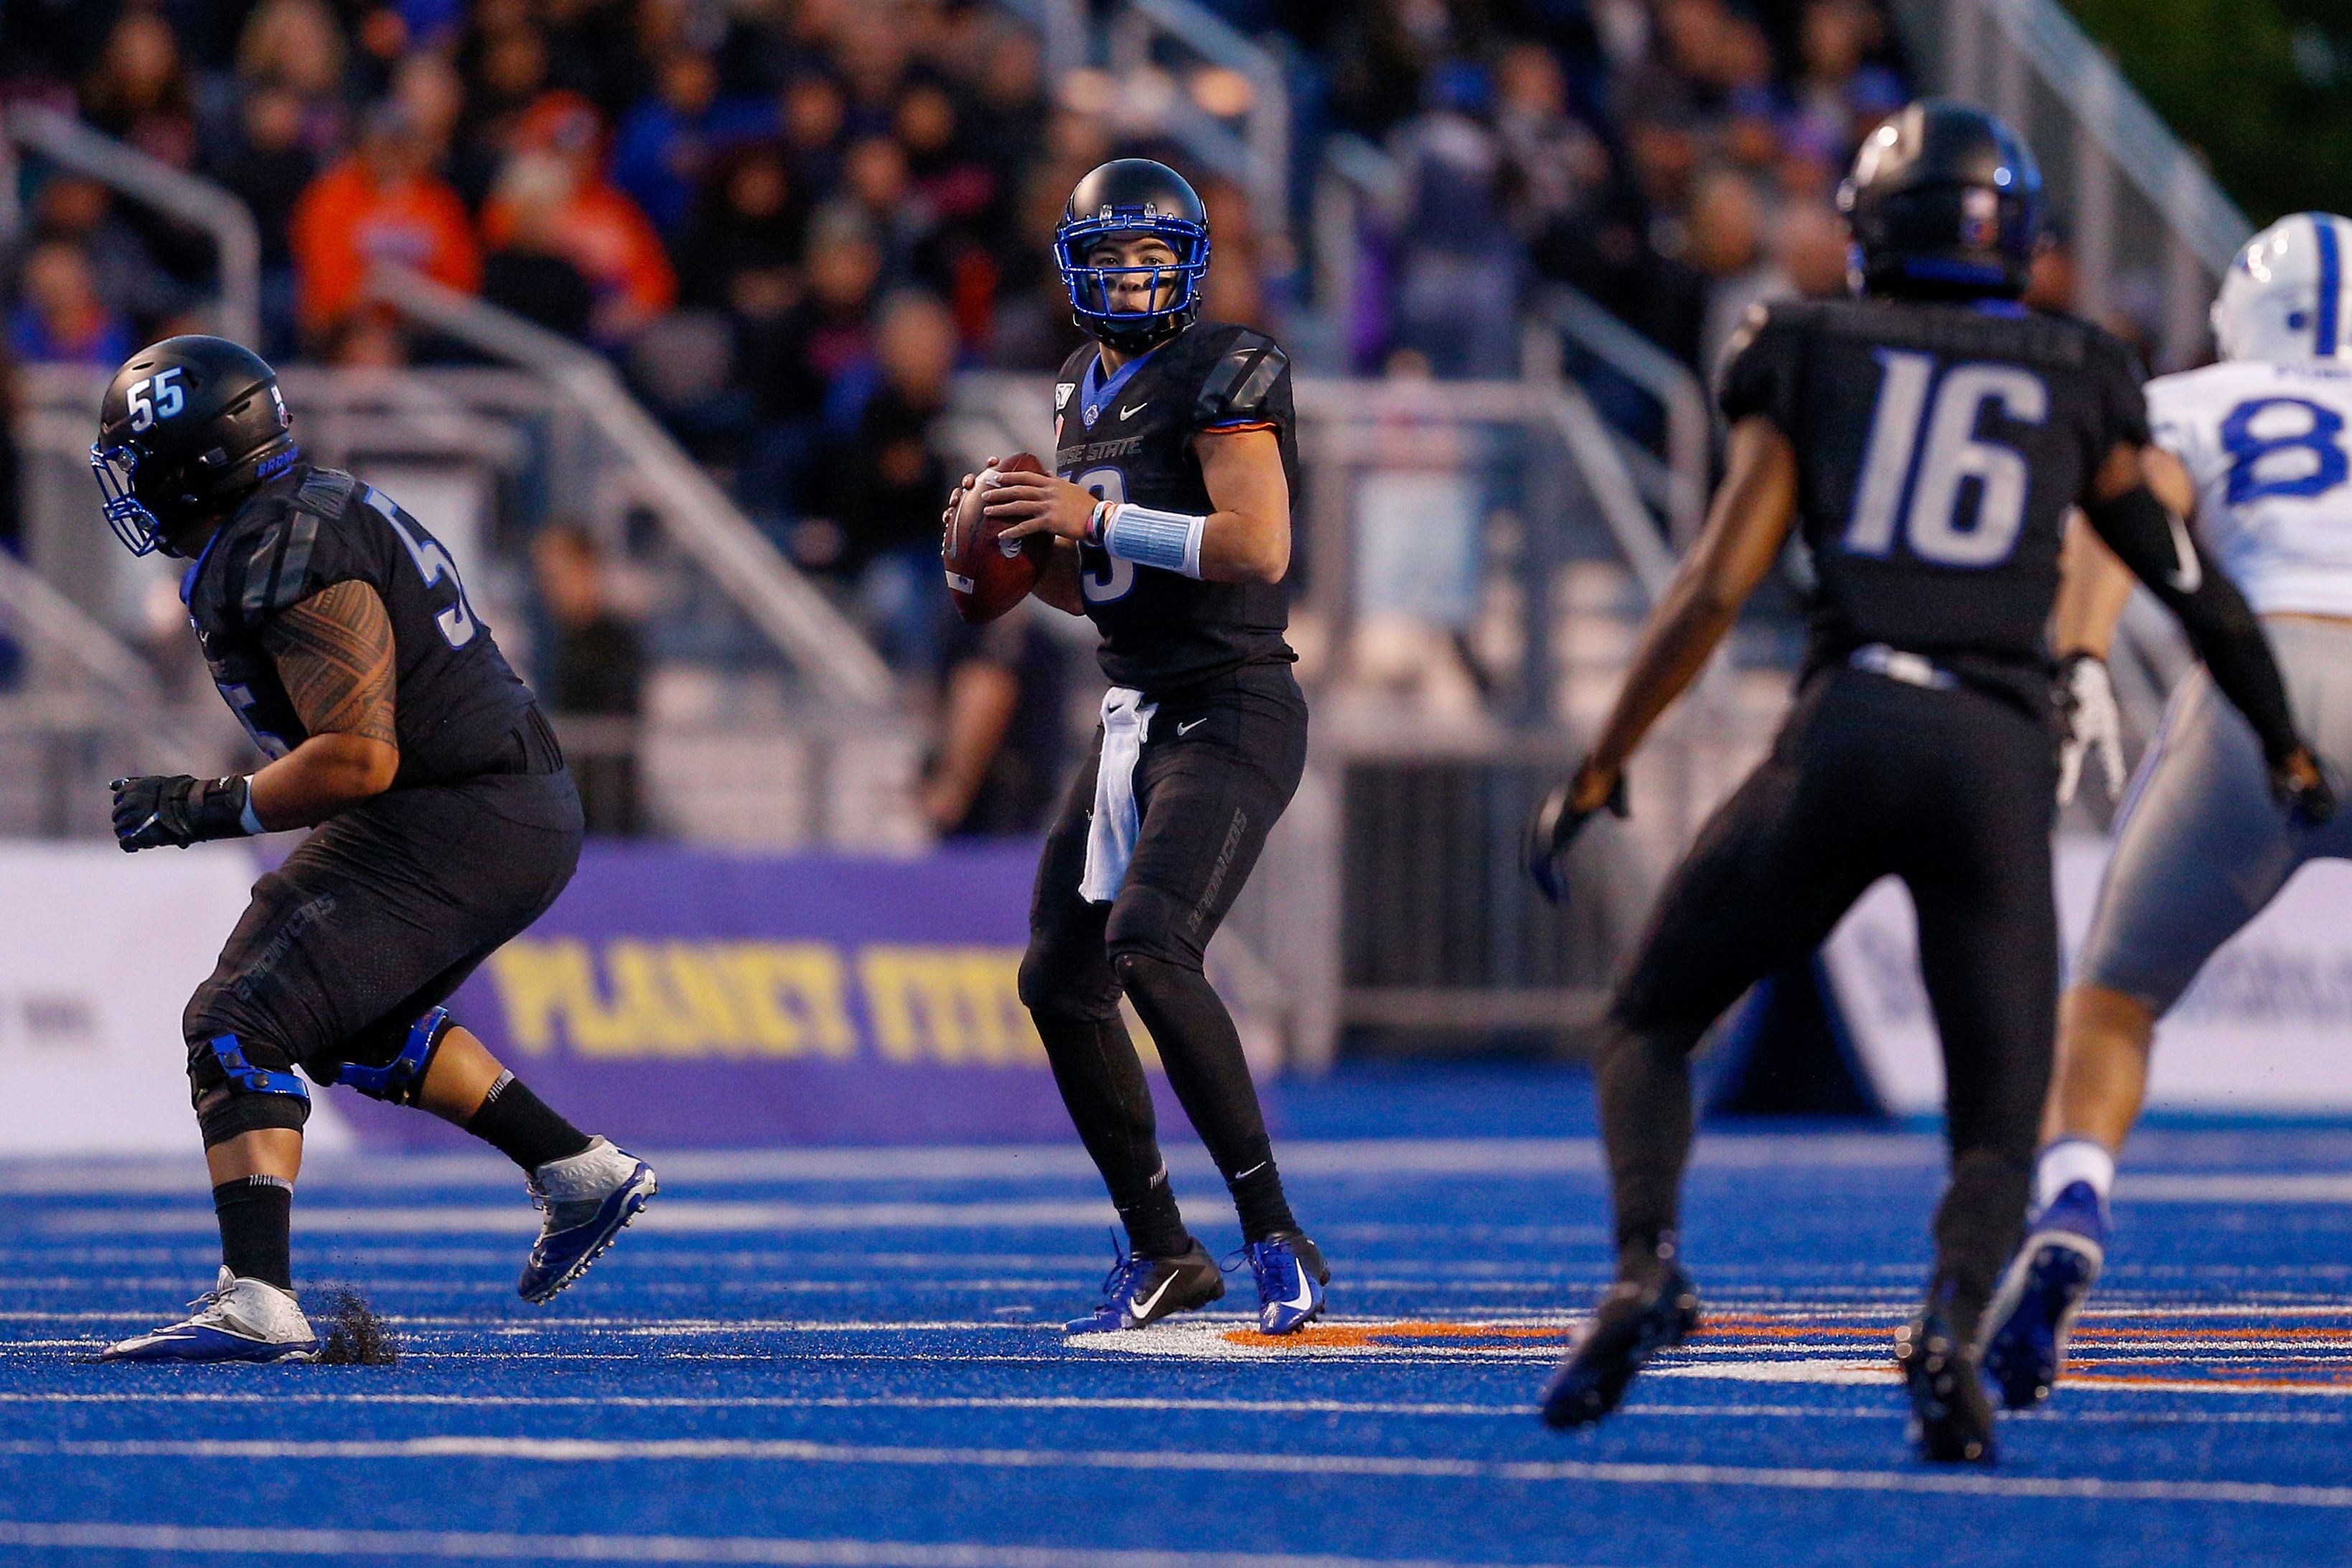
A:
(2266, 1028)
(686, 998)
(99, 954)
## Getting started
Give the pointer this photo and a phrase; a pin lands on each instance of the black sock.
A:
(517, 1124)
(1155, 1228)
(1259, 1198)
(257, 1226)
(1646, 1124)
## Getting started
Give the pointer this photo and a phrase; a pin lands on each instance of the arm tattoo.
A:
(334, 654)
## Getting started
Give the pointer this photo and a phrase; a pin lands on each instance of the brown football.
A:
(985, 575)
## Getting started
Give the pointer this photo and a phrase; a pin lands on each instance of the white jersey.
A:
(2270, 445)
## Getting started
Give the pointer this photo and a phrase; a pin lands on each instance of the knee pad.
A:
(234, 1094)
(398, 1080)
(1149, 923)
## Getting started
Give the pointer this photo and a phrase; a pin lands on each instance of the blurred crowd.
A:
(789, 221)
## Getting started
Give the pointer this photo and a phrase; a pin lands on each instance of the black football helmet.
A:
(1126, 196)
(1943, 203)
(187, 425)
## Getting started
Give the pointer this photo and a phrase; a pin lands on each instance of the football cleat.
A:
(1634, 1321)
(1951, 1419)
(1140, 1291)
(1290, 1275)
(236, 1319)
(2034, 1311)
(588, 1198)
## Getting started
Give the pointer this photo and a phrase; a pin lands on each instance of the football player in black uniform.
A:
(1170, 520)
(1928, 439)
(338, 633)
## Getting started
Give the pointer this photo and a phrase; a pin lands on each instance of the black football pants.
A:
(1950, 791)
(1216, 770)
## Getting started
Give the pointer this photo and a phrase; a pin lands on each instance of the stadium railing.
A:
(68, 142)
(1214, 90)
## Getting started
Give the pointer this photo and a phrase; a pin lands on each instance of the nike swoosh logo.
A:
(2188, 577)
(1139, 408)
(1189, 728)
(1140, 1308)
(1306, 1291)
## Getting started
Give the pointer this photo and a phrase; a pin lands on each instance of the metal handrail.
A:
(34, 609)
(194, 201)
(2130, 133)
(1689, 430)
(782, 603)
(1262, 152)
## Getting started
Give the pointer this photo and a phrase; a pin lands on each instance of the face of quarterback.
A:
(1131, 289)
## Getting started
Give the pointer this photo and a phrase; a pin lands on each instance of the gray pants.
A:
(2201, 846)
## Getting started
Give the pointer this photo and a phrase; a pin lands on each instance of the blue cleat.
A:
(236, 1319)
(1140, 1291)
(2047, 1282)
(589, 1198)
(1634, 1321)
(1291, 1274)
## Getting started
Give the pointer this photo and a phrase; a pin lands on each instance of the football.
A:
(988, 576)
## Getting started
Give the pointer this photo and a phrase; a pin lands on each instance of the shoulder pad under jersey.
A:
(1241, 380)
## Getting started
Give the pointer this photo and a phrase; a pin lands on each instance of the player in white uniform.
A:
(2263, 441)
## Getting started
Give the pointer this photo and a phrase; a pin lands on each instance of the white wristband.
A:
(246, 819)
(1169, 540)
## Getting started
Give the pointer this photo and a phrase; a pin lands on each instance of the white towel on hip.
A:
(1110, 837)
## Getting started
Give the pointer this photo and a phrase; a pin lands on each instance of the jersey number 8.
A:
(1943, 440)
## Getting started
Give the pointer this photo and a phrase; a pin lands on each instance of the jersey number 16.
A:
(1929, 423)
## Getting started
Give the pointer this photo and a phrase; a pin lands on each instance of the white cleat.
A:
(589, 1198)
(238, 1320)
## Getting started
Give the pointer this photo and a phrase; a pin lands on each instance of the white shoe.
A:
(589, 1198)
(238, 1320)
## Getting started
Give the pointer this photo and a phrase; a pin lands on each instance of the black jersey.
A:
(1939, 448)
(1128, 436)
(458, 707)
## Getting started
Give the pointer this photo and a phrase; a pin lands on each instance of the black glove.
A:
(177, 810)
(1554, 827)
(2296, 780)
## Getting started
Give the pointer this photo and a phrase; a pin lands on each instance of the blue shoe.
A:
(1140, 1291)
(1637, 1318)
(589, 1198)
(236, 1319)
(1291, 1274)
(2047, 1282)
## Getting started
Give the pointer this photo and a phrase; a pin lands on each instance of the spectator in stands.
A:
(268, 167)
(381, 204)
(814, 112)
(557, 156)
(432, 94)
(792, 347)
(1840, 96)
(593, 670)
(82, 214)
(1003, 727)
(1810, 245)
(669, 143)
(1726, 228)
(61, 318)
(882, 476)
(746, 222)
(529, 270)
(295, 46)
(1458, 284)
(139, 91)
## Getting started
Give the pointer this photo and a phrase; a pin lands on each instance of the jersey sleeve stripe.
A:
(1233, 426)
(1252, 395)
(2331, 284)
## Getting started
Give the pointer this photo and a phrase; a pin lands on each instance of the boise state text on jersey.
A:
(458, 705)
(1128, 436)
(1939, 448)
(2267, 446)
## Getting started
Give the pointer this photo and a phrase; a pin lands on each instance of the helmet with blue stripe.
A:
(187, 426)
(1121, 199)
(1944, 203)
(2284, 296)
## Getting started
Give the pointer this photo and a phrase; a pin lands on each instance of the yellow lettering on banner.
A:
(542, 983)
(792, 998)
(954, 1005)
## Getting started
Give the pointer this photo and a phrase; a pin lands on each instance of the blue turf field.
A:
(852, 1359)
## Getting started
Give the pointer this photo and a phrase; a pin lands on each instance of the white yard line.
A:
(1375, 1466)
